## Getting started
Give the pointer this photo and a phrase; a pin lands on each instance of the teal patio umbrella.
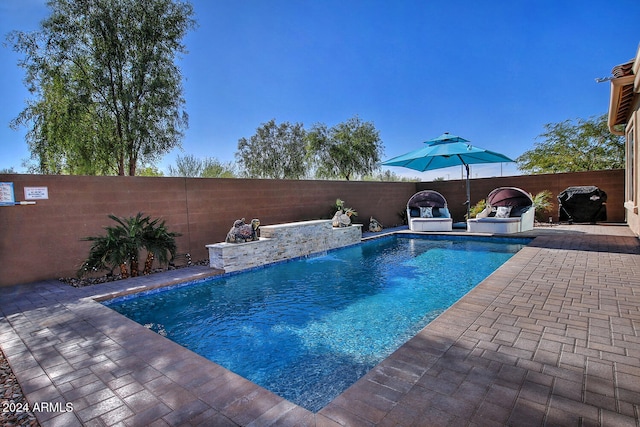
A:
(445, 151)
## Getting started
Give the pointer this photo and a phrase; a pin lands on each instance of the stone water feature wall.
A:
(282, 242)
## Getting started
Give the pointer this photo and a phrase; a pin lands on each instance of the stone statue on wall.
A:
(374, 225)
(242, 232)
(342, 217)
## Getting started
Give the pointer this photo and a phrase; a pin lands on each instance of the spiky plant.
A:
(103, 255)
(542, 203)
(339, 206)
(159, 243)
(477, 208)
(107, 253)
(131, 231)
(403, 216)
(122, 244)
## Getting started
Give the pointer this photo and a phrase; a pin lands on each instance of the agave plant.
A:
(122, 244)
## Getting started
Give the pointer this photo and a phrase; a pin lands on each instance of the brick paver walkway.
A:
(551, 338)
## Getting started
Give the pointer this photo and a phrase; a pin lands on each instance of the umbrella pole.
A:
(468, 202)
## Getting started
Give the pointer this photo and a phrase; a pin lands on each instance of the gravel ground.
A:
(12, 399)
(89, 281)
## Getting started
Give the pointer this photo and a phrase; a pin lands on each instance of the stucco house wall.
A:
(624, 119)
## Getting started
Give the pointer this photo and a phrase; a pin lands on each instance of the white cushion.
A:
(485, 213)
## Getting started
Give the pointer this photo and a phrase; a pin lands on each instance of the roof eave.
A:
(617, 89)
(636, 69)
(623, 91)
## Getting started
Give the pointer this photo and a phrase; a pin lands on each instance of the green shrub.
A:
(122, 244)
(542, 203)
(477, 208)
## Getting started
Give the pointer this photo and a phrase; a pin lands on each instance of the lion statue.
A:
(242, 232)
(374, 225)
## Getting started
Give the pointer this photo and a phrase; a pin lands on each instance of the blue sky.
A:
(492, 72)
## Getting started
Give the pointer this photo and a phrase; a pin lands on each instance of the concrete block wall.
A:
(611, 182)
(43, 241)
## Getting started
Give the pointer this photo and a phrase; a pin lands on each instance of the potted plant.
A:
(342, 216)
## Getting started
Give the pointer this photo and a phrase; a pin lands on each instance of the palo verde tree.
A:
(108, 94)
(347, 150)
(572, 147)
(275, 151)
(209, 167)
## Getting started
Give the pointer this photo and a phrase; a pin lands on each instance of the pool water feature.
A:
(309, 328)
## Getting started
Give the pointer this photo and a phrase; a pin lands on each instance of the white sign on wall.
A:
(6, 194)
(36, 193)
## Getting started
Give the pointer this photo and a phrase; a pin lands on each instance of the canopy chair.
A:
(427, 211)
(508, 210)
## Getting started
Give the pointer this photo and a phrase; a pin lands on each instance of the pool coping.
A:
(479, 360)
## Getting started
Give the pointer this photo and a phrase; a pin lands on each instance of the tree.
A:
(63, 138)
(187, 166)
(275, 151)
(209, 167)
(388, 176)
(214, 168)
(148, 170)
(108, 95)
(571, 147)
(347, 150)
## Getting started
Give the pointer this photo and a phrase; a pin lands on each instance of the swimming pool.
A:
(309, 328)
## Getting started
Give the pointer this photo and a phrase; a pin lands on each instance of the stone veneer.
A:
(281, 242)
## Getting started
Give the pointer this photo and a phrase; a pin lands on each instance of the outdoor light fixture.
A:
(603, 79)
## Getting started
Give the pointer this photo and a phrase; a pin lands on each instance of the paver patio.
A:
(551, 338)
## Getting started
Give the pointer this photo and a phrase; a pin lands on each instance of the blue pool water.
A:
(309, 328)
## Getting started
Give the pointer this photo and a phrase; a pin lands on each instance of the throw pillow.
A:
(426, 212)
(503, 211)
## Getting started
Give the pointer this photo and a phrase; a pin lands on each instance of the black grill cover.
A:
(583, 204)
